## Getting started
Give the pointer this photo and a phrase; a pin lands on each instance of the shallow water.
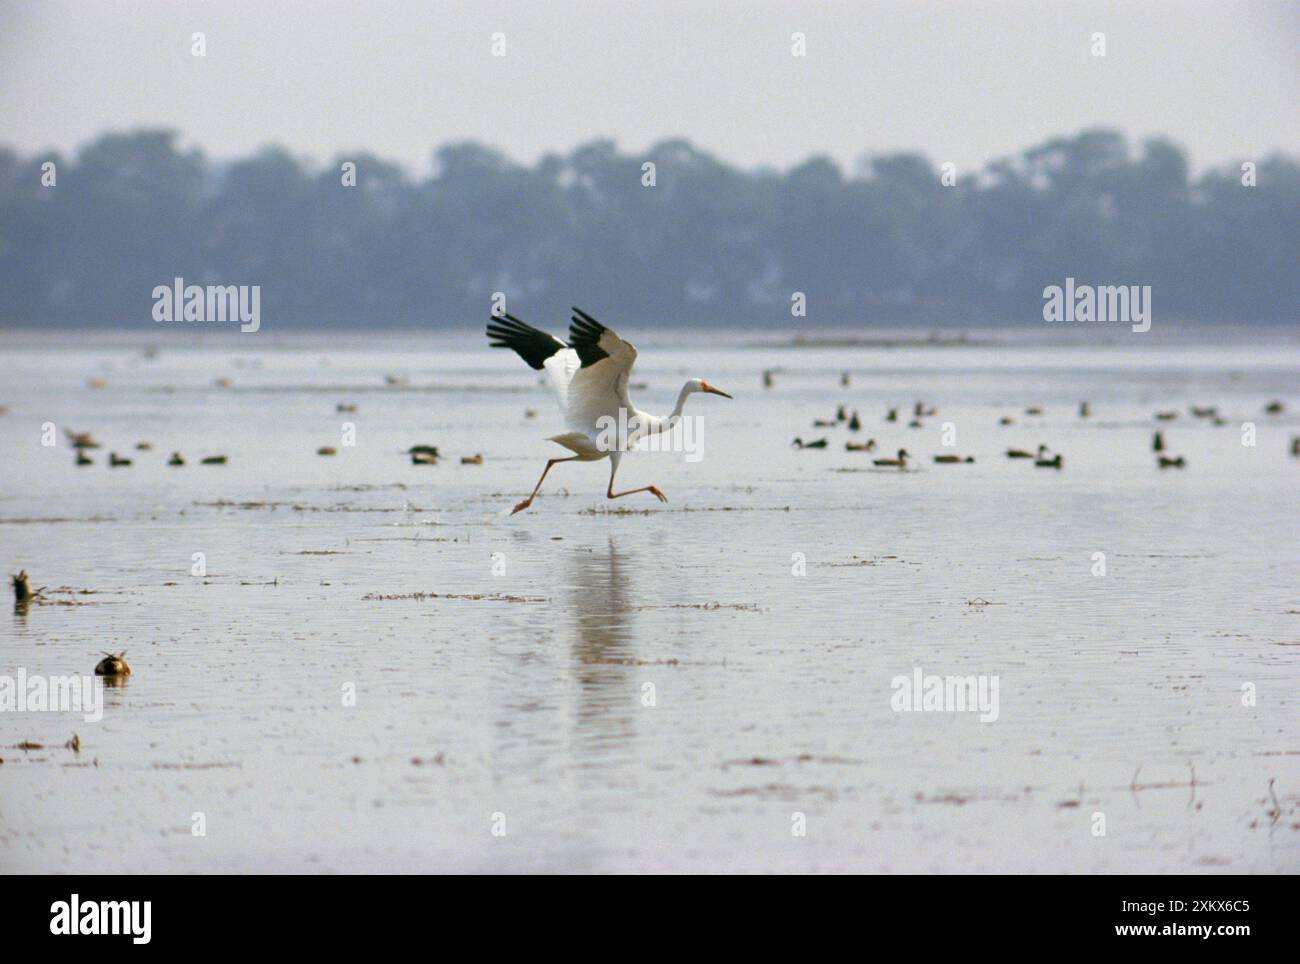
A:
(520, 688)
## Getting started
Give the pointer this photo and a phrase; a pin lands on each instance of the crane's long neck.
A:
(686, 391)
(658, 424)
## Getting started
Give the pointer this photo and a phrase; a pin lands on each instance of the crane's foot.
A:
(521, 506)
(653, 490)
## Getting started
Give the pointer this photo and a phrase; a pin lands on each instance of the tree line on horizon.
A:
(892, 242)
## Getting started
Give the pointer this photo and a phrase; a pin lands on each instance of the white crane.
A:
(589, 377)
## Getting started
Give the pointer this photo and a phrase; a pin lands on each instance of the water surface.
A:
(513, 680)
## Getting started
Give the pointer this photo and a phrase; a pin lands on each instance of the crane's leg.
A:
(618, 495)
(529, 501)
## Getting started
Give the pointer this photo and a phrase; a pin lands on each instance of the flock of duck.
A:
(84, 441)
(853, 422)
(1043, 457)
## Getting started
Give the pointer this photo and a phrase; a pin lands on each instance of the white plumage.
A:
(589, 377)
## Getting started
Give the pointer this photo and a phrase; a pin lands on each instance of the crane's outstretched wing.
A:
(599, 387)
(589, 375)
(533, 346)
(539, 350)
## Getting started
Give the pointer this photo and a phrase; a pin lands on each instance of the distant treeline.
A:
(705, 244)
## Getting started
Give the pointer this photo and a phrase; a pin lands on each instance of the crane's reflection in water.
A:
(604, 660)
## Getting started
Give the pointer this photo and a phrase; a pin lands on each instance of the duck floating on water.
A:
(953, 459)
(1054, 462)
(213, 460)
(801, 444)
(1022, 454)
(1165, 462)
(868, 446)
(83, 458)
(113, 664)
(423, 454)
(855, 423)
(23, 591)
(898, 463)
(176, 459)
(1158, 442)
(116, 460)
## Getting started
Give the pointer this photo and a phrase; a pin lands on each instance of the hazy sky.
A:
(964, 82)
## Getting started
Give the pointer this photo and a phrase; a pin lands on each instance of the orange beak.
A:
(715, 391)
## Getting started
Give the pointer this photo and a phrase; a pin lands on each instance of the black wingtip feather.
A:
(584, 337)
(530, 344)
